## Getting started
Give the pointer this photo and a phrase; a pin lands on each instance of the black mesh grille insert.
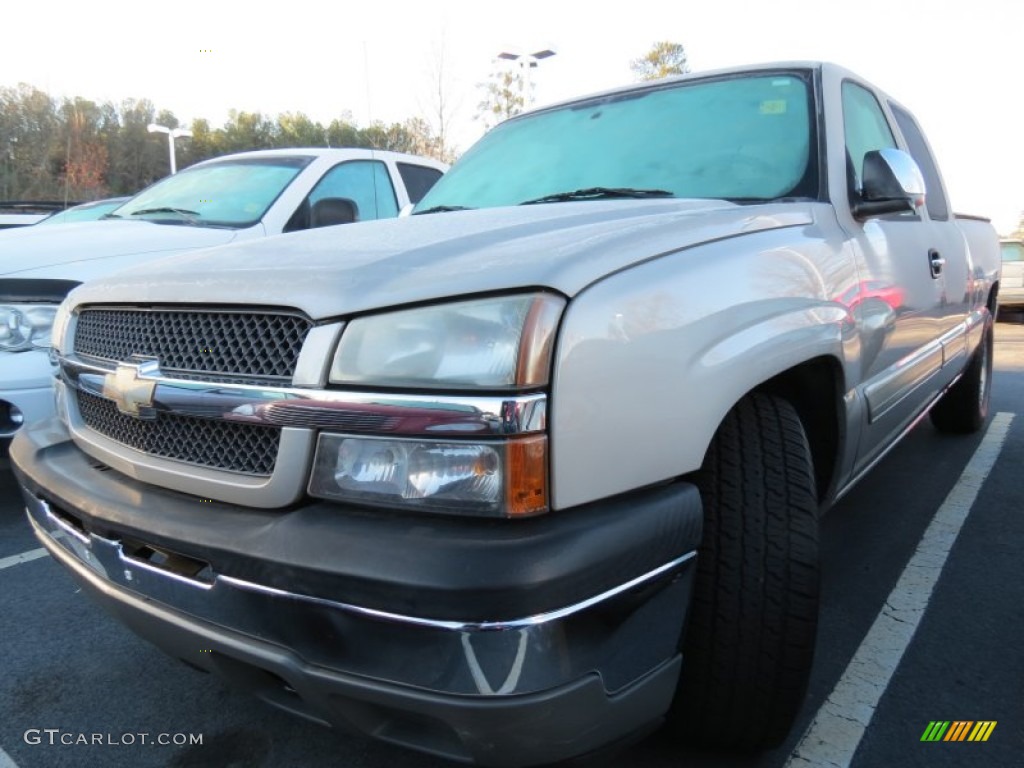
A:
(256, 344)
(247, 448)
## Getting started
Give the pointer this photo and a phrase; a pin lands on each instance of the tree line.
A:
(77, 149)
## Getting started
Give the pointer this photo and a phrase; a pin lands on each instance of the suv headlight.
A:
(501, 342)
(25, 326)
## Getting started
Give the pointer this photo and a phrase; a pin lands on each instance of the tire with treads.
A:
(749, 641)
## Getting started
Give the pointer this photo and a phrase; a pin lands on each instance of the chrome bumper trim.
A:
(107, 556)
(470, 626)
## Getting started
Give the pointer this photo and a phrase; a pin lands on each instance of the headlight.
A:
(506, 478)
(494, 343)
(24, 326)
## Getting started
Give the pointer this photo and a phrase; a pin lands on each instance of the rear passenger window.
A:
(935, 200)
(418, 179)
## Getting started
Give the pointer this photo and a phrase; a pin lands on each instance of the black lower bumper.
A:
(519, 681)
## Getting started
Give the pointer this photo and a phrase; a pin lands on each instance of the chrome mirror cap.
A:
(892, 174)
(893, 182)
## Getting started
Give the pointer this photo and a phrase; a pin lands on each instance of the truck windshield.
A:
(746, 138)
(228, 193)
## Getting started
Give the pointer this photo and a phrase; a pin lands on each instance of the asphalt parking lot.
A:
(68, 666)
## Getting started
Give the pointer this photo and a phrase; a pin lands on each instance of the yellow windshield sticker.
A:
(773, 107)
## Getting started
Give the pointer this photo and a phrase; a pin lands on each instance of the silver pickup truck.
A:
(541, 465)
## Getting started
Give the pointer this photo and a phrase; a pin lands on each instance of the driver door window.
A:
(866, 129)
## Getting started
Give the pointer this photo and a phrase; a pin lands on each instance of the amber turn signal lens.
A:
(526, 488)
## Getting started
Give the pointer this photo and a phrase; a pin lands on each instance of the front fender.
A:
(651, 359)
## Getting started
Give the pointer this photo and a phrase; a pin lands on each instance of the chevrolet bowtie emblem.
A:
(131, 388)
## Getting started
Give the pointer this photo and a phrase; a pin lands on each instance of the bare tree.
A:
(441, 107)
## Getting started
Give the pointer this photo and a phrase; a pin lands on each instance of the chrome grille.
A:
(247, 448)
(250, 344)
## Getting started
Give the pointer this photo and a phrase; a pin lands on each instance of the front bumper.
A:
(26, 389)
(503, 644)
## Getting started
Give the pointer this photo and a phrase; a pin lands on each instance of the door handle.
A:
(936, 262)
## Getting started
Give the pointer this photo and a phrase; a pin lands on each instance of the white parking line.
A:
(6, 761)
(832, 738)
(24, 557)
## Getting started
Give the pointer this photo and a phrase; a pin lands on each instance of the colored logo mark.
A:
(958, 730)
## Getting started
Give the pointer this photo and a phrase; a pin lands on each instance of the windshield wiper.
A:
(599, 193)
(185, 213)
(443, 209)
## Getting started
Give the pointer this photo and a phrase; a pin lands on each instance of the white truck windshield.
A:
(229, 193)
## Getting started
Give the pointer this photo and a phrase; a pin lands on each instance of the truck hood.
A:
(89, 249)
(372, 265)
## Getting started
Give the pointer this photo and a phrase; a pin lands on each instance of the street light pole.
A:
(172, 134)
(526, 62)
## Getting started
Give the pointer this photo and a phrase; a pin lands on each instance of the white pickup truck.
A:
(227, 199)
(540, 465)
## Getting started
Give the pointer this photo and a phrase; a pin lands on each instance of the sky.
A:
(958, 66)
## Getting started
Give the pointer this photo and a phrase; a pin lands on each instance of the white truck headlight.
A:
(501, 342)
(500, 478)
(25, 326)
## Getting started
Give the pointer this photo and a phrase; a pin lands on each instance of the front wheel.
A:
(964, 407)
(749, 643)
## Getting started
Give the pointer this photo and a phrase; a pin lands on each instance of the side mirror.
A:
(892, 182)
(329, 211)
